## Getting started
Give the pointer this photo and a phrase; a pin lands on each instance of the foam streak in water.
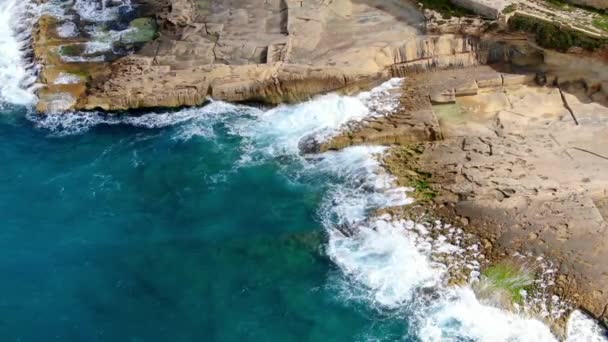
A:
(193, 121)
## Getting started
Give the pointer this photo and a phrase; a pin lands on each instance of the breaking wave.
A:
(17, 71)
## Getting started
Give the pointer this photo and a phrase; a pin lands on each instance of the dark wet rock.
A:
(309, 145)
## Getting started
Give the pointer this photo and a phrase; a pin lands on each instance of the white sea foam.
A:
(192, 121)
(377, 255)
(459, 316)
(392, 260)
(582, 328)
(98, 10)
(67, 78)
(67, 30)
(17, 79)
(280, 130)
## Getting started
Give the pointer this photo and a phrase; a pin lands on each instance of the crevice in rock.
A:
(566, 105)
(590, 152)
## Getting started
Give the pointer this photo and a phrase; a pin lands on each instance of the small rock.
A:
(464, 221)
(443, 96)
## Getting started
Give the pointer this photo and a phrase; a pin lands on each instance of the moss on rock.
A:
(71, 50)
(509, 9)
(601, 22)
(401, 163)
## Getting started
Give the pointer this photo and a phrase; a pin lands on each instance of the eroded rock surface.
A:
(272, 51)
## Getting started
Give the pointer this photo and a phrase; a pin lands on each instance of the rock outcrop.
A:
(520, 166)
(271, 51)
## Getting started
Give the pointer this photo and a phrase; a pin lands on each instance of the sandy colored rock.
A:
(531, 180)
(276, 51)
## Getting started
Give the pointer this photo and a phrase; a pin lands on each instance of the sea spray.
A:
(17, 72)
(194, 121)
(280, 130)
(583, 328)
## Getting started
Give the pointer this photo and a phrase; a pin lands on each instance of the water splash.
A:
(17, 76)
(192, 120)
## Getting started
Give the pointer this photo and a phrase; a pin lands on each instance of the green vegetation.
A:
(559, 4)
(509, 9)
(141, 30)
(601, 22)
(551, 36)
(511, 278)
(446, 8)
(422, 189)
(402, 163)
(418, 180)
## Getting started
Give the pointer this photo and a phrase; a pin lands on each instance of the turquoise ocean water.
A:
(125, 233)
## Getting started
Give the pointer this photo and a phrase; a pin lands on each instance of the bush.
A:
(446, 8)
(551, 36)
(509, 9)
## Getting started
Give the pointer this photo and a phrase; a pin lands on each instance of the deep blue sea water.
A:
(131, 234)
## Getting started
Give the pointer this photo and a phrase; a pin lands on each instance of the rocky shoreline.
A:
(517, 165)
(502, 127)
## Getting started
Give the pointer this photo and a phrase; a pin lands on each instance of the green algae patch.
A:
(510, 278)
(82, 73)
(141, 30)
(71, 50)
(401, 163)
